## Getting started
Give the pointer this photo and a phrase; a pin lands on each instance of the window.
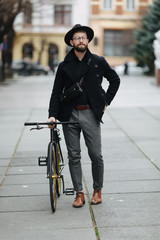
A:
(130, 5)
(63, 14)
(117, 43)
(107, 4)
(27, 50)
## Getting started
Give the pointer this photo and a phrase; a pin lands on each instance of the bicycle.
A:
(54, 161)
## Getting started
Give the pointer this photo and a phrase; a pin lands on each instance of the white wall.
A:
(43, 18)
(80, 12)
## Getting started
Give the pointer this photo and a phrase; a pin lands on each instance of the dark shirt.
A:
(81, 69)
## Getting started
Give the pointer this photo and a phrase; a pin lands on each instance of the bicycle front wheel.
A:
(52, 172)
(59, 163)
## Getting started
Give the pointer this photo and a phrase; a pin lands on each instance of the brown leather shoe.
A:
(79, 201)
(96, 198)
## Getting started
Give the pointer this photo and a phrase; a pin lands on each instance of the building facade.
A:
(114, 22)
(40, 29)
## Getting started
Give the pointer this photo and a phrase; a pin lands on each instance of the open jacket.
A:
(66, 76)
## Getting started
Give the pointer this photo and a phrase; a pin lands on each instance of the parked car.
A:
(25, 68)
(133, 69)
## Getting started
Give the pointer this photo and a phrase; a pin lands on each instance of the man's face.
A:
(79, 41)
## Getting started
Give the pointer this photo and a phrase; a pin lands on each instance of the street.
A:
(131, 148)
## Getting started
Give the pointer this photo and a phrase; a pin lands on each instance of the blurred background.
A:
(32, 33)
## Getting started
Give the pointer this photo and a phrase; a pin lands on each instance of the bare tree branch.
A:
(8, 11)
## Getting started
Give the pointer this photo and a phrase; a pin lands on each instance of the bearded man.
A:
(87, 69)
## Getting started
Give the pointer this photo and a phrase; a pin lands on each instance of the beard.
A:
(83, 48)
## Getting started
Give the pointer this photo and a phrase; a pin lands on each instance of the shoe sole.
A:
(96, 203)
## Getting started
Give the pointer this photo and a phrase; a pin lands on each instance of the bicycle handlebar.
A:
(47, 123)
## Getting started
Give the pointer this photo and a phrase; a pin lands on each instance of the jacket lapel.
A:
(69, 66)
(70, 71)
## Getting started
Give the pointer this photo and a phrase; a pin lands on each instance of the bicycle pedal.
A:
(42, 161)
(69, 191)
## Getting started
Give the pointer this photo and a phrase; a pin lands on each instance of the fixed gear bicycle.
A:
(54, 161)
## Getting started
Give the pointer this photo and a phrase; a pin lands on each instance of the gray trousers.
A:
(91, 129)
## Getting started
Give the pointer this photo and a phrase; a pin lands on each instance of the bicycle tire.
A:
(52, 173)
(59, 180)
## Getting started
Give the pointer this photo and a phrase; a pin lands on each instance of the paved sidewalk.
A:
(131, 149)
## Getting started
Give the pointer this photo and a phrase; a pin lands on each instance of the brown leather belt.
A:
(82, 107)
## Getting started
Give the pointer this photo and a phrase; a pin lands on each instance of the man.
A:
(80, 65)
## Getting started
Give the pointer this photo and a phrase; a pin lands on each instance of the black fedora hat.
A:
(76, 28)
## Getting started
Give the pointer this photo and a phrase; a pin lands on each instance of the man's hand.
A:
(105, 108)
(51, 119)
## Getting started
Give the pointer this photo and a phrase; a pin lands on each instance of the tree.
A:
(145, 35)
(8, 12)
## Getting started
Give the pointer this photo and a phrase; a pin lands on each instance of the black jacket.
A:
(66, 76)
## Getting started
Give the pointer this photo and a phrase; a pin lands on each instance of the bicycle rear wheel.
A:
(52, 172)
